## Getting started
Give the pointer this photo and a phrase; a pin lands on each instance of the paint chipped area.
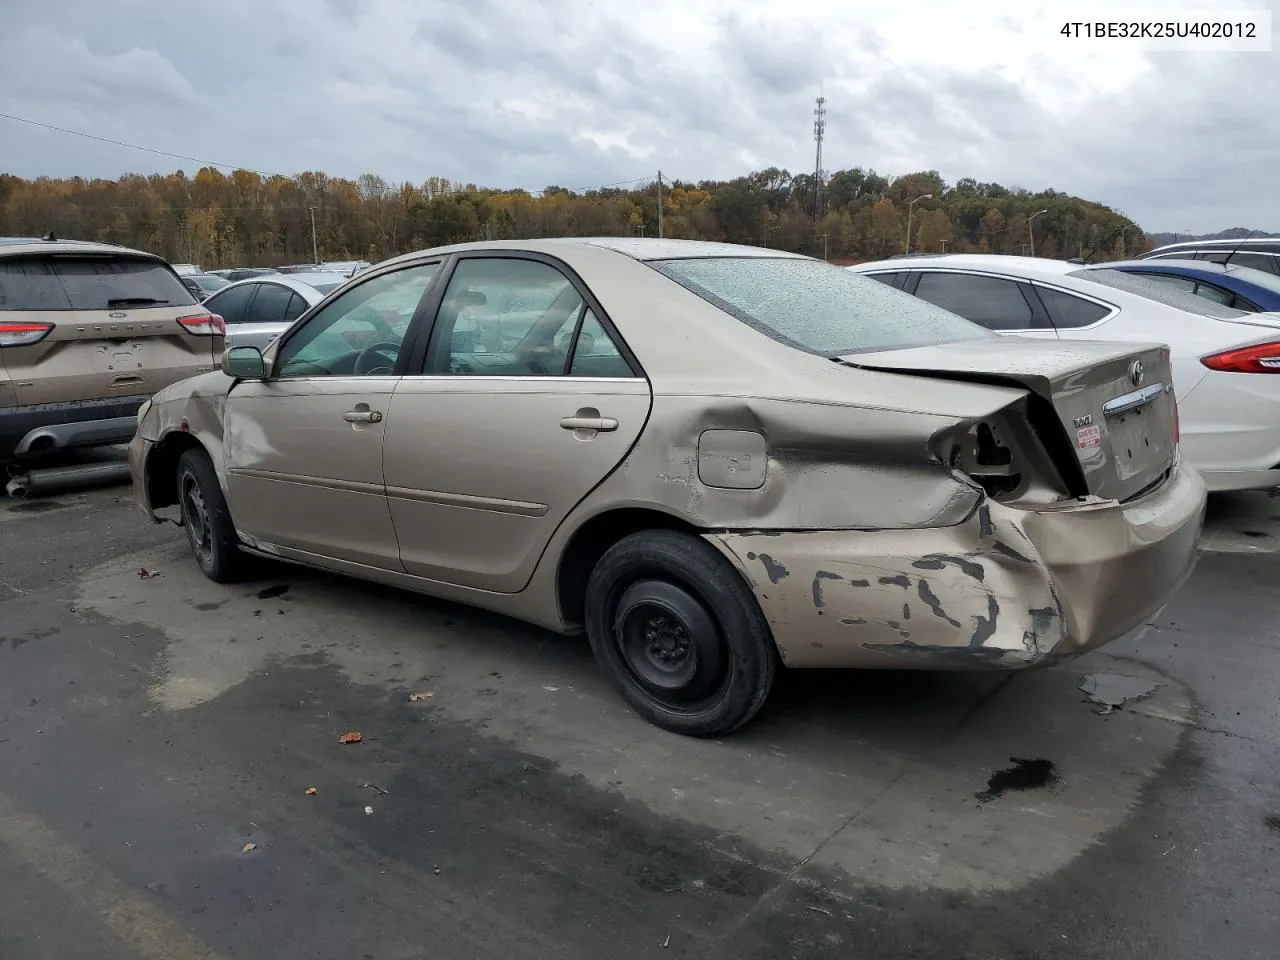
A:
(836, 599)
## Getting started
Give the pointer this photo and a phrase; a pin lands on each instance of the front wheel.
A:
(679, 634)
(207, 520)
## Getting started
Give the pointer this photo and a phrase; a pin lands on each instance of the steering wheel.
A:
(368, 357)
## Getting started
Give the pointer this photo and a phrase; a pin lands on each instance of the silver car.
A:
(257, 311)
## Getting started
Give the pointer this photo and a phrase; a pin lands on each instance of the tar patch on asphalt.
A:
(1023, 775)
(1272, 822)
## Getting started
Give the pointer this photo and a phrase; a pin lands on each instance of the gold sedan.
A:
(712, 459)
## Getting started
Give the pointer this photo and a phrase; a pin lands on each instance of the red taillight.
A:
(19, 333)
(1260, 358)
(204, 325)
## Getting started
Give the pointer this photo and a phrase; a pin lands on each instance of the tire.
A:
(679, 634)
(207, 520)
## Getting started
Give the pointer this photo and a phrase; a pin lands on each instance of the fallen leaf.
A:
(415, 697)
(145, 574)
(355, 736)
(249, 848)
(310, 791)
(368, 810)
(266, 593)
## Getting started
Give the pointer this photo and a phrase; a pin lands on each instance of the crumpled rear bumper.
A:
(1008, 588)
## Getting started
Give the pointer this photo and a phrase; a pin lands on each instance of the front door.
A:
(525, 402)
(303, 448)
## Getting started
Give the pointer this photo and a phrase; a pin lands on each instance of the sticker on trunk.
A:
(1087, 437)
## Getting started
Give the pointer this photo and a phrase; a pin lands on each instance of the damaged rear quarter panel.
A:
(948, 597)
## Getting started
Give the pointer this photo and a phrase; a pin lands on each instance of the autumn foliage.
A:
(244, 219)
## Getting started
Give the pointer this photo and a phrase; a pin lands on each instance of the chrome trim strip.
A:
(492, 504)
(327, 483)
(1131, 401)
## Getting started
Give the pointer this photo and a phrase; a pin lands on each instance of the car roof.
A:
(309, 292)
(1243, 243)
(639, 248)
(14, 246)
(1005, 264)
(1205, 266)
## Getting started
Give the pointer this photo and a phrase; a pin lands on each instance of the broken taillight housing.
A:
(204, 325)
(22, 333)
(1259, 358)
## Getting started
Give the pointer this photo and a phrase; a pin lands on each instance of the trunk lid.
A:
(1111, 405)
(115, 328)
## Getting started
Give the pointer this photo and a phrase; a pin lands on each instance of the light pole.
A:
(927, 196)
(1031, 236)
(1122, 230)
(315, 254)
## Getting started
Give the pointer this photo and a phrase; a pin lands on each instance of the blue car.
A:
(1243, 288)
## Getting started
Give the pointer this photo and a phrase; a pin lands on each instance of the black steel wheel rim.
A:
(670, 644)
(195, 513)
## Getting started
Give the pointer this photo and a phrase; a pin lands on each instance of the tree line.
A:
(246, 219)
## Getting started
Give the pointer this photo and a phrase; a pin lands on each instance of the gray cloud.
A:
(510, 94)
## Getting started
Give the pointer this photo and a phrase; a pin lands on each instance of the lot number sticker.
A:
(1088, 437)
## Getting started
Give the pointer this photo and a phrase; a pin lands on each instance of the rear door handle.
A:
(589, 423)
(362, 416)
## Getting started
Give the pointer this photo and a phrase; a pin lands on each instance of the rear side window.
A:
(231, 304)
(270, 304)
(1259, 261)
(1068, 311)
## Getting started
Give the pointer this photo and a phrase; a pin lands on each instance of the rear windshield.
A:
(1152, 289)
(817, 307)
(88, 283)
(208, 281)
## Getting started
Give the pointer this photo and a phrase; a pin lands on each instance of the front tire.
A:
(679, 634)
(207, 520)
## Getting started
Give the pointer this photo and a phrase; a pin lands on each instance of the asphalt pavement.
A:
(173, 785)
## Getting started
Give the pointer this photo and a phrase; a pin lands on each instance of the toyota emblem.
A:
(1136, 373)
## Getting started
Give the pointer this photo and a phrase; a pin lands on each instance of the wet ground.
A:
(172, 781)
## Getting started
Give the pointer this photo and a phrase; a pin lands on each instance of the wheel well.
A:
(589, 544)
(162, 468)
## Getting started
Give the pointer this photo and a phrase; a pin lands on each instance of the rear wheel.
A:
(679, 634)
(207, 520)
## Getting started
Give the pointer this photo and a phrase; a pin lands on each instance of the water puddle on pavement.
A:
(1112, 691)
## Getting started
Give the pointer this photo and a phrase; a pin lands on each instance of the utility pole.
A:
(315, 251)
(819, 128)
(659, 203)
(824, 237)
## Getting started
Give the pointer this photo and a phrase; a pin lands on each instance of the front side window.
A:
(1172, 282)
(1210, 292)
(815, 306)
(360, 333)
(989, 301)
(503, 316)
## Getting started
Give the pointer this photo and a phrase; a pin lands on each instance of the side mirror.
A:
(244, 363)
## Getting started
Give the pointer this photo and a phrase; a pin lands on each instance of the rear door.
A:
(116, 325)
(526, 400)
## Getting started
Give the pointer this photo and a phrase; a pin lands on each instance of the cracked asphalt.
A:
(158, 737)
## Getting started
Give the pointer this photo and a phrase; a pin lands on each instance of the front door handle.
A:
(362, 416)
(589, 423)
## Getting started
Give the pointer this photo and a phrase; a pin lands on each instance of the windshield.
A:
(1153, 289)
(817, 307)
(209, 282)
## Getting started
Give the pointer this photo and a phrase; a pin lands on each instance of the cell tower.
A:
(819, 128)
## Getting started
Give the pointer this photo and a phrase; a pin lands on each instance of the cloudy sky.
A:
(581, 93)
